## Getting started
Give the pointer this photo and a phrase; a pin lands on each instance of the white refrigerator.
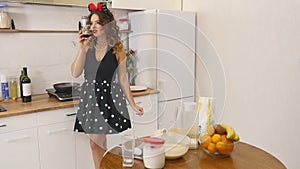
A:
(165, 43)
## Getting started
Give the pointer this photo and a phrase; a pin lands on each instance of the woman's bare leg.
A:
(98, 147)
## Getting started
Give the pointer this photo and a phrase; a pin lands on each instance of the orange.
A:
(205, 144)
(223, 137)
(225, 140)
(216, 138)
(228, 142)
(205, 140)
(220, 146)
(210, 130)
(212, 148)
(228, 149)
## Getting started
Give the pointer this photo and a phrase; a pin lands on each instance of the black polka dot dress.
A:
(102, 106)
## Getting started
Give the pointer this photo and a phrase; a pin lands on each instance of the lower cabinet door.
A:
(57, 146)
(19, 149)
(84, 158)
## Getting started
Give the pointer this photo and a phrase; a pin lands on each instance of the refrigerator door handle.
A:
(178, 116)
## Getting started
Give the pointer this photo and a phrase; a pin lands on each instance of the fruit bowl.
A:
(219, 143)
(219, 149)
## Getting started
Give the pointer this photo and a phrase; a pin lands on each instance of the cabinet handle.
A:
(17, 139)
(70, 114)
(178, 116)
(57, 131)
(3, 125)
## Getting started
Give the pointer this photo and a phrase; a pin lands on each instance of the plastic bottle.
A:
(4, 87)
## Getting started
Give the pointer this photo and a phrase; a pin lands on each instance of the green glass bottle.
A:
(26, 86)
(20, 82)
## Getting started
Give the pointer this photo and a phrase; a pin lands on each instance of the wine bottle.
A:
(20, 83)
(26, 86)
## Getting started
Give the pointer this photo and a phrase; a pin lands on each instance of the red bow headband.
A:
(100, 7)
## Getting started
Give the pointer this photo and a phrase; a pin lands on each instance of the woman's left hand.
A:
(139, 110)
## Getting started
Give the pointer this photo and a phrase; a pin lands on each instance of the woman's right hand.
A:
(83, 42)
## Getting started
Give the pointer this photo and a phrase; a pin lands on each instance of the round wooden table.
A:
(244, 156)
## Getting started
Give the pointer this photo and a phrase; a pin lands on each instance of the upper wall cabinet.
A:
(121, 4)
(58, 2)
(69, 2)
(146, 4)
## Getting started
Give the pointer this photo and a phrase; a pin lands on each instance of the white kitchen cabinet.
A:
(146, 4)
(57, 146)
(19, 149)
(44, 140)
(19, 142)
(60, 146)
(56, 116)
(15, 123)
(84, 158)
(57, 139)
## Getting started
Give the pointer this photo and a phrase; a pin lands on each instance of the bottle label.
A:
(4, 90)
(26, 89)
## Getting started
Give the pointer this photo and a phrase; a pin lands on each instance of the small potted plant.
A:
(131, 60)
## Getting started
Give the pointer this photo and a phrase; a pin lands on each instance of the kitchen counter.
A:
(43, 102)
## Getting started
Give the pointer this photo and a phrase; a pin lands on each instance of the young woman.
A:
(102, 107)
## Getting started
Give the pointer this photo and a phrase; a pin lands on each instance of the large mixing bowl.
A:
(176, 145)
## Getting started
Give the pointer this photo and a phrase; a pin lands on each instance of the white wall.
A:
(258, 44)
(47, 55)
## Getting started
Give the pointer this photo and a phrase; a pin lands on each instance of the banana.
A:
(229, 130)
(236, 137)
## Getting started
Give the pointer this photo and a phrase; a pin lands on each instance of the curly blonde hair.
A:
(107, 20)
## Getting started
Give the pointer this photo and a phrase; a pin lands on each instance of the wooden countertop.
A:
(43, 102)
(244, 156)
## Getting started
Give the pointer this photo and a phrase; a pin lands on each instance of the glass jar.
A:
(189, 123)
(4, 18)
(13, 88)
(154, 152)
